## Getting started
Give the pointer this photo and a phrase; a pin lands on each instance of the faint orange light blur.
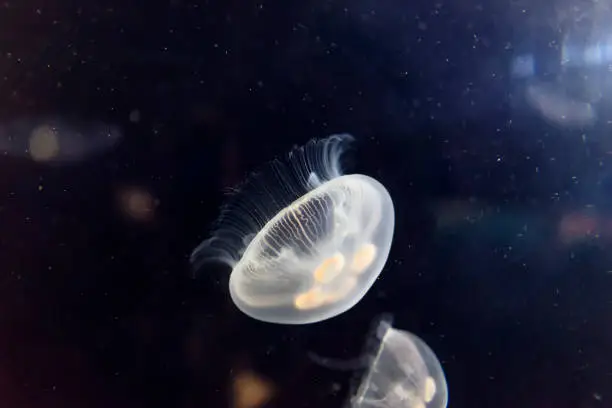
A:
(137, 203)
(43, 144)
(576, 226)
(251, 390)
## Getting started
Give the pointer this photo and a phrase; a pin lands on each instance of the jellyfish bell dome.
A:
(395, 370)
(305, 242)
(403, 372)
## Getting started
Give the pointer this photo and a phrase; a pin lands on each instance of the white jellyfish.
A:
(305, 242)
(401, 372)
(405, 372)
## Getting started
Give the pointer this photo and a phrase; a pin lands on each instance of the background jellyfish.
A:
(401, 371)
(305, 242)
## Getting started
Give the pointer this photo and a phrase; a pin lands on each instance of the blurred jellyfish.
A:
(305, 243)
(55, 139)
(402, 372)
(558, 107)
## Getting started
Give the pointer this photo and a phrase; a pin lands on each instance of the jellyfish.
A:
(304, 241)
(401, 372)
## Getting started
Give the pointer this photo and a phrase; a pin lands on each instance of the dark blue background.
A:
(98, 311)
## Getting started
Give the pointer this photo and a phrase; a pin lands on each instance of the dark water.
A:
(500, 261)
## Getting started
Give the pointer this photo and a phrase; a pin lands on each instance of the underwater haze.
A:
(472, 205)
